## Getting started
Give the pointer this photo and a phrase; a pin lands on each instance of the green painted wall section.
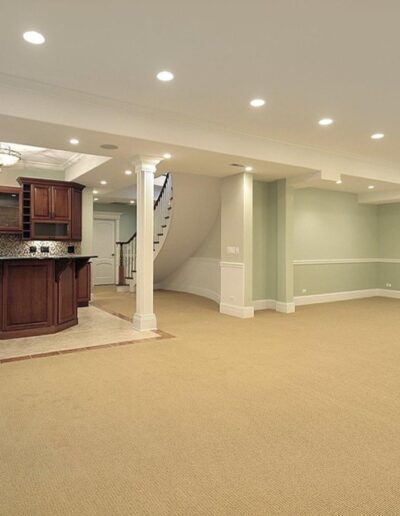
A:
(127, 224)
(331, 225)
(328, 278)
(326, 225)
(264, 240)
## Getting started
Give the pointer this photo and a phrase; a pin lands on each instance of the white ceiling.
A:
(42, 158)
(309, 59)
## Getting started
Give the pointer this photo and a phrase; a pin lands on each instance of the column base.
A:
(145, 322)
(244, 312)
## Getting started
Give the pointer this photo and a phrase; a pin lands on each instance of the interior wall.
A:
(389, 246)
(201, 273)
(87, 221)
(264, 240)
(333, 226)
(127, 224)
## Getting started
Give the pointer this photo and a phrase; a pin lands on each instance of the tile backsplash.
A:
(12, 245)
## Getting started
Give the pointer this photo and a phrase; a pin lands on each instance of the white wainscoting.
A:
(199, 276)
(233, 290)
(330, 261)
(345, 296)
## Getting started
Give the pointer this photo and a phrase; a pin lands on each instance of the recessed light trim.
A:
(248, 168)
(371, 187)
(339, 182)
(326, 121)
(377, 136)
(167, 155)
(74, 141)
(131, 202)
(165, 76)
(257, 103)
(33, 37)
(103, 182)
(95, 192)
(128, 172)
(96, 199)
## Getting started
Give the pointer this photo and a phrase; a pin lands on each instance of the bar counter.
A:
(39, 294)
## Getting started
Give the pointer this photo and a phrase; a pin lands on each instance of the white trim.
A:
(329, 261)
(116, 217)
(232, 265)
(191, 289)
(384, 292)
(335, 296)
(243, 312)
(264, 304)
(285, 308)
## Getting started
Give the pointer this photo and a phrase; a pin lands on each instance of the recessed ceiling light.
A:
(95, 192)
(74, 141)
(167, 155)
(95, 199)
(128, 172)
(257, 102)
(339, 182)
(371, 187)
(33, 37)
(326, 121)
(377, 136)
(103, 182)
(248, 169)
(131, 202)
(165, 76)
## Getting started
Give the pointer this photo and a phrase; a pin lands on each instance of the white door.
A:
(103, 267)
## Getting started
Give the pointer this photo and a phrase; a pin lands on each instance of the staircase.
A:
(127, 249)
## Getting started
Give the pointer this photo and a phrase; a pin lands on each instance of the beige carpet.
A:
(283, 414)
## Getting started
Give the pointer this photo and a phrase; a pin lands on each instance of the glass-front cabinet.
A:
(10, 210)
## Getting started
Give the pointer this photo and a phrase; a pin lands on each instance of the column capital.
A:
(146, 163)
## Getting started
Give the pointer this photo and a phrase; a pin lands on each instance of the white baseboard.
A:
(191, 289)
(243, 312)
(346, 296)
(264, 304)
(385, 292)
(285, 308)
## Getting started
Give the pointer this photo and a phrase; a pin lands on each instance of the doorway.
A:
(104, 247)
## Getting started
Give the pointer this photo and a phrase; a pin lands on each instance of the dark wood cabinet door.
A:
(27, 294)
(61, 203)
(66, 293)
(41, 202)
(84, 285)
(76, 215)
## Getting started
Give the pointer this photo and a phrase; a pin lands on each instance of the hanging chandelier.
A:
(8, 156)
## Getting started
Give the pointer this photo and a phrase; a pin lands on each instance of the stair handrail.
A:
(156, 203)
(121, 244)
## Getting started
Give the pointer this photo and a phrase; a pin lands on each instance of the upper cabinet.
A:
(52, 210)
(10, 210)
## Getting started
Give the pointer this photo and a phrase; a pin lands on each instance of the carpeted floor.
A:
(282, 414)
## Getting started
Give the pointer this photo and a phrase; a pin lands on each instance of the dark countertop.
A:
(50, 257)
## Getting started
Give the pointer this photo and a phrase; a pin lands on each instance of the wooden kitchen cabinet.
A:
(10, 210)
(52, 210)
(84, 285)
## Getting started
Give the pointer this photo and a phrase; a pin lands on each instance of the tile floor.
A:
(96, 328)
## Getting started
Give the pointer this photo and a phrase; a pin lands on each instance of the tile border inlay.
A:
(161, 335)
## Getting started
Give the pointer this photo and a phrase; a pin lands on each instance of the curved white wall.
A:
(196, 202)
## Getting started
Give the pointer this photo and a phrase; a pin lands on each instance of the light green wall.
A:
(264, 240)
(333, 225)
(389, 245)
(127, 224)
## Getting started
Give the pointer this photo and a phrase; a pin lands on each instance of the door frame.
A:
(115, 216)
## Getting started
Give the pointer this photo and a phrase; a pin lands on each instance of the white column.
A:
(144, 318)
(237, 246)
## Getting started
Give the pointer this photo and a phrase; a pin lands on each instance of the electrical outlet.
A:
(389, 285)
